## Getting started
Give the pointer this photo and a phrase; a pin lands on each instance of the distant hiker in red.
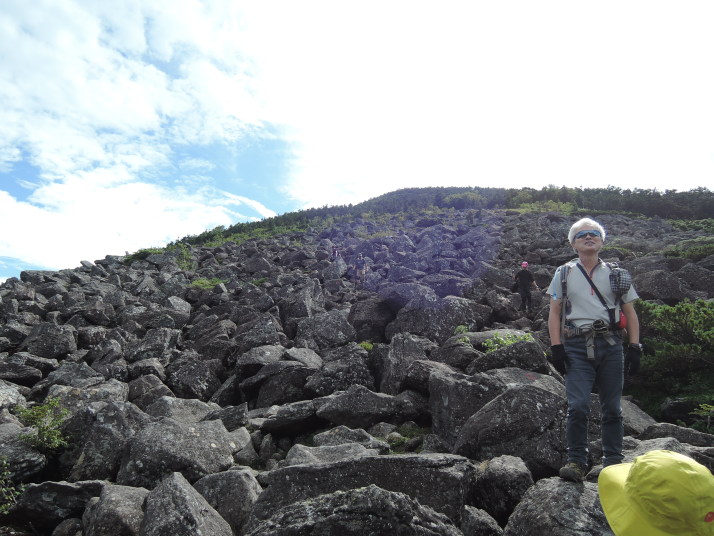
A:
(524, 279)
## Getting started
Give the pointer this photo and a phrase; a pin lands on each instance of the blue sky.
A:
(129, 124)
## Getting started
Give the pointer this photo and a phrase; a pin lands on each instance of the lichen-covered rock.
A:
(526, 422)
(118, 510)
(175, 508)
(356, 512)
(358, 407)
(441, 481)
(46, 504)
(161, 448)
(341, 368)
(232, 493)
(559, 508)
(500, 485)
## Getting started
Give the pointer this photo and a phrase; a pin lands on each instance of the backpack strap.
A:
(564, 272)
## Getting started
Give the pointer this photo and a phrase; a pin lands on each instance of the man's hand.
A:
(632, 360)
(558, 358)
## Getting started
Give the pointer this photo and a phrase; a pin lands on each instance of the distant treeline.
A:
(694, 204)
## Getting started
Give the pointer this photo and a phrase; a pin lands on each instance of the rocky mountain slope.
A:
(263, 392)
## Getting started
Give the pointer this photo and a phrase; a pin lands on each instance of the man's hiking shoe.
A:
(573, 471)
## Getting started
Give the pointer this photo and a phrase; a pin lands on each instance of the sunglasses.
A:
(582, 234)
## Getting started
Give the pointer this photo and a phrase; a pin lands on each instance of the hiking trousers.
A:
(525, 298)
(605, 371)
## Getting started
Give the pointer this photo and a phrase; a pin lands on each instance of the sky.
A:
(126, 125)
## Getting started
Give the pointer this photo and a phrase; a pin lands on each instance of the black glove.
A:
(558, 358)
(632, 360)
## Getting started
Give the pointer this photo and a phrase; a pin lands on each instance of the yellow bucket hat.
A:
(661, 493)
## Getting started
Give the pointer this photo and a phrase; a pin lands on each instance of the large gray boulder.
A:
(302, 454)
(437, 318)
(232, 493)
(661, 285)
(10, 395)
(157, 344)
(342, 434)
(277, 383)
(190, 376)
(358, 407)
(404, 348)
(455, 397)
(525, 421)
(681, 433)
(559, 508)
(79, 375)
(441, 481)
(293, 418)
(185, 410)
(341, 368)
(477, 522)
(357, 512)
(103, 430)
(500, 485)
(23, 461)
(46, 504)
(526, 355)
(118, 510)
(370, 318)
(325, 330)
(51, 340)
(174, 508)
(168, 446)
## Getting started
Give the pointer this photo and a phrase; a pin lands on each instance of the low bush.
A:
(499, 341)
(680, 360)
(46, 419)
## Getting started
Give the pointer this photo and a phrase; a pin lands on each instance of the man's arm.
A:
(554, 322)
(633, 323)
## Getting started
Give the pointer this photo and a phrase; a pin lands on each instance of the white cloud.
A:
(98, 96)
(88, 222)
(510, 94)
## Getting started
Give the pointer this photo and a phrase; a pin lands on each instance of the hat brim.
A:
(622, 514)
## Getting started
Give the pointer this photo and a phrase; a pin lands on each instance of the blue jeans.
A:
(606, 371)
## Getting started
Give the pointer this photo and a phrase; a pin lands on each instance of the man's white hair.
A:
(582, 224)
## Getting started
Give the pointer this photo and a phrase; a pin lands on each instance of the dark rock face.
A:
(556, 507)
(285, 400)
(368, 510)
(176, 508)
(441, 481)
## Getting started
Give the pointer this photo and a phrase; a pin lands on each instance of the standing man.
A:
(587, 345)
(525, 281)
(360, 268)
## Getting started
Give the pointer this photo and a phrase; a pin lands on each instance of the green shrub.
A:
(694, 250)
(142, 254)
(548, 206)
(260, 281)
(184, 259)
(206, 284)
(499, 341)
(706, 225)
(705, 412)
(47, 420)
(367, 345)
(9, 491)
(458, 330)
(679, 364)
